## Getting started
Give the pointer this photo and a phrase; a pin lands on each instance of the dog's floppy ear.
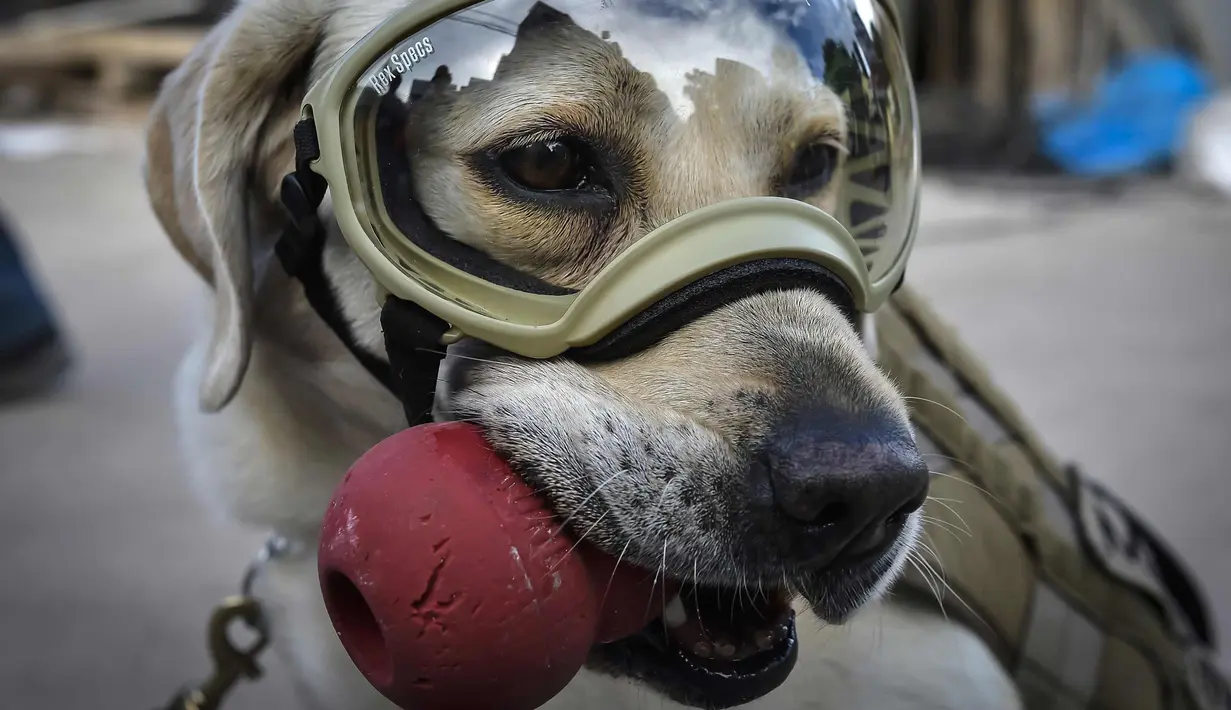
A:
(211, 128)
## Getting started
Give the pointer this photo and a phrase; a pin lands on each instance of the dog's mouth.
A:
(713, 647)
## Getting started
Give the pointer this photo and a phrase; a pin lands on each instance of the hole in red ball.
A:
(358, 629)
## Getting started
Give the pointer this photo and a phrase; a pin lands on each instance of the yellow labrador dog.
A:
(272, 409)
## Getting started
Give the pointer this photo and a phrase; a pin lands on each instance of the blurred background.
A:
(1076, 230)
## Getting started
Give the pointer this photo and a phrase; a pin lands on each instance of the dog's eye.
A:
(811, 170)
(546, 166)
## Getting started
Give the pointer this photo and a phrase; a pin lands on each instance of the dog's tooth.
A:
(724, 649)
(764, 639)
(703, 649)
(674, 615)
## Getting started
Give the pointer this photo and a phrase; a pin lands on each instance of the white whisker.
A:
(957, 596)
(957, 515)
(938, 404)
(973, 485)
(460, 357)
(949, 458)
(579, 541)
(927, 579)
(947, 500)
(663, 567)
(928, 546)
(947, 526)
(619, 559)
(696, 596)
(593, 493)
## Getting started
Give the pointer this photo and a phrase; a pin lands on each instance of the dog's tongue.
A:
(451, 585)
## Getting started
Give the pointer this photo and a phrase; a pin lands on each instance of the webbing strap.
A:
(940, 338)
(412, 335)
(978, 563)
(1000, 518)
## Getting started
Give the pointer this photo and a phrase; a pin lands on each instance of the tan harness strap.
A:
(949, 348)
(983, 579)
(1006, 553)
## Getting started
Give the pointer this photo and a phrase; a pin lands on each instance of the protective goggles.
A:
(539, 175)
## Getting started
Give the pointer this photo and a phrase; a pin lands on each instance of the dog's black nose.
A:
(843, 484)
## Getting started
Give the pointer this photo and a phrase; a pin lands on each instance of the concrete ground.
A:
(1108, 320)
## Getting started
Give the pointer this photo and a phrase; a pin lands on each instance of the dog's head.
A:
(754, 453)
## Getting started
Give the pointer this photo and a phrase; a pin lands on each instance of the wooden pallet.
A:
(95, 71)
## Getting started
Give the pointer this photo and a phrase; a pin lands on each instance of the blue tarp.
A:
(1135, 121)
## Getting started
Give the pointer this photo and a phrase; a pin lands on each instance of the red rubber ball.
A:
(451, 585)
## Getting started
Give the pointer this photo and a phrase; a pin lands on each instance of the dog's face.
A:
(754, 454)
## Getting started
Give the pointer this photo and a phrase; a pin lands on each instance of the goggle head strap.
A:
(412, 335)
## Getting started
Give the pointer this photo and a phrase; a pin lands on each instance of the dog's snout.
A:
(843, 483)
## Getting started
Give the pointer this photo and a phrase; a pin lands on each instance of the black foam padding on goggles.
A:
(396, 182)
(708, 294)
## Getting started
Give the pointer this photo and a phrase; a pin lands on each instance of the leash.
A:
(232, 662)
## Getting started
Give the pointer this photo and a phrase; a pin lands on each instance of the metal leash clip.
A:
(233, 663)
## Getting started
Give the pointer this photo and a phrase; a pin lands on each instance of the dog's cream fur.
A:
(272, 409)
